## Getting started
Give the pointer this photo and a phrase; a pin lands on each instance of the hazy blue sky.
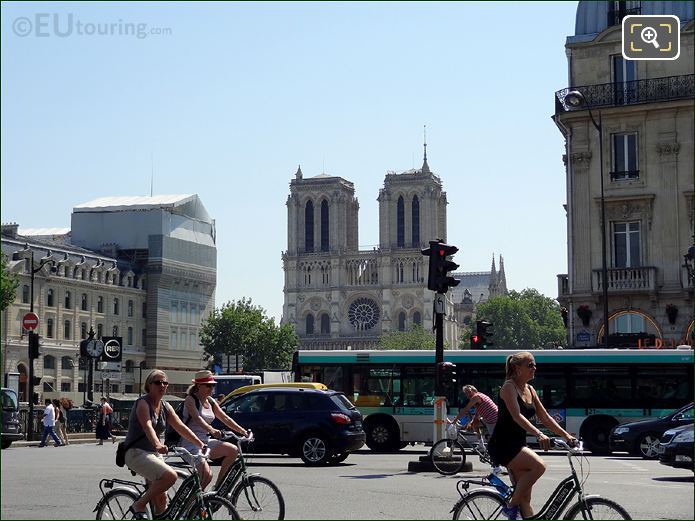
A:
(234, 96)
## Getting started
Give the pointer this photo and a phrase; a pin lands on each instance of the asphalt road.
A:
(62, 483)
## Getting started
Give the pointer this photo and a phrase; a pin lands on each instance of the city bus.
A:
(587, 391)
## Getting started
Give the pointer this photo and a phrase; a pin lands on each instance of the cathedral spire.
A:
(425, 166)
(502, 278)
(299, 174)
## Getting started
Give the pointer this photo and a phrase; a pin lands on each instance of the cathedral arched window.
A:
(417, 319)
(310, 324)
(400, 223)
(309, 227)
(325, 324)
(415, 221)
(401, 321)
(324, 225)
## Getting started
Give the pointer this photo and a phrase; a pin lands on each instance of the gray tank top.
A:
(135, 430)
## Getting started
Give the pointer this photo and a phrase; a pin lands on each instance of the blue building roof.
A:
(592, 16)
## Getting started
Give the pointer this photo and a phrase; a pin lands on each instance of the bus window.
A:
(418, 387)
(604, 386)
(333, 378)
(662, 386)
(551, 386)
(373, 386)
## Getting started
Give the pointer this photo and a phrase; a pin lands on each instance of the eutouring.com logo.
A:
(46, 25)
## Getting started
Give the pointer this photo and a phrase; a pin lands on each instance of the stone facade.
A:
(645, 112)
(337, 296)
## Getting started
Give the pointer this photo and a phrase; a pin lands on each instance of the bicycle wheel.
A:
(448, 457)
(258, 498)
(480, 504)
(115, 504)
(598, 508)
(221, 508)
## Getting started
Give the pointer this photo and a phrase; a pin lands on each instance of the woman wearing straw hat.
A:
(201, 417)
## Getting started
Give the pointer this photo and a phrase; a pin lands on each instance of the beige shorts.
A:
(149, 465)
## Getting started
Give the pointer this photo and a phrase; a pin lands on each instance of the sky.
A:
(225, 100)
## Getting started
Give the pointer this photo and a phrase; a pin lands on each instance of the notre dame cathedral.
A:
(340, 297)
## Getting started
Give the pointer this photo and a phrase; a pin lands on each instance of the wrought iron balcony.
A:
(630, 92)
(615, 16)
(627, 280)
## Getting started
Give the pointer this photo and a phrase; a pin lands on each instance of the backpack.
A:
(171, 437)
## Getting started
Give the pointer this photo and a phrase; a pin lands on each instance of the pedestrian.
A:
(202, 410)
(49, 420)
(60, 422)
(65, 404)
(519, 403)
(147, 422)
(103, 430)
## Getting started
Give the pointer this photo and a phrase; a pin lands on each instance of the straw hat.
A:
(204, 377)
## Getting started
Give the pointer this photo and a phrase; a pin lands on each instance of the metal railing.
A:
(629, 92)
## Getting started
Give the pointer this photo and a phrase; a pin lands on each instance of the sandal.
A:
(137, 515)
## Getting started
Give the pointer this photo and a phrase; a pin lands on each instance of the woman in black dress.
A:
(517, 405)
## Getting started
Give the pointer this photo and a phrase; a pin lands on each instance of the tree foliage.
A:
(524, 320)
(8, 284)
(416, 338)
(240, 328)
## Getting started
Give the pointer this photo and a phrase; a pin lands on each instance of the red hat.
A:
(204, 377)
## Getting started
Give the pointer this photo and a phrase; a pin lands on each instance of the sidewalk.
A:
(75, 438)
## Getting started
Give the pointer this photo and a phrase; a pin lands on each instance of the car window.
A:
(281, 402)
(342, 401)
(686, 415)
(249, 403)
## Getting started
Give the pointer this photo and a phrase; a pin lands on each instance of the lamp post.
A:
(33, 271)
(576, 99)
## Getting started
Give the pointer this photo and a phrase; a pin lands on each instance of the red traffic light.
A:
(475, 339)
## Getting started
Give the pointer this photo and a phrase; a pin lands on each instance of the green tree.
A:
(8, 284)
(416, 338)
(240, 328)
(524, 320)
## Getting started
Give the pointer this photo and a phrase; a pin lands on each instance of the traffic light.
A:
(483, 332)
(438, 279)
(445, 377)
(33, 346)
(475, 342)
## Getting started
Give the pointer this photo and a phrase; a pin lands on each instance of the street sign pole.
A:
(440, 408)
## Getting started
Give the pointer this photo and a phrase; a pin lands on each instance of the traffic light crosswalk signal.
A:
(483, 334)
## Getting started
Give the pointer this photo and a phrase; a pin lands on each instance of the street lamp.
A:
(576, 99)
(33, 271)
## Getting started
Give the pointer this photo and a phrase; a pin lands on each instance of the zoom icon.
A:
(651, 37)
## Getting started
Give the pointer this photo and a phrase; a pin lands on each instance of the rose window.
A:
(363, 314)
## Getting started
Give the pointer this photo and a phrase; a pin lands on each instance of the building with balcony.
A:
(340, 297)
(639, 175)
(139, 268)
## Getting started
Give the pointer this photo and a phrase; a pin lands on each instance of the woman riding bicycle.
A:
(201, 415)
(147, 422)
(507, 446)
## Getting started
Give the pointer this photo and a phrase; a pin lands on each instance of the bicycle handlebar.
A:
(562, 444)
(230, 435)
(196, 458)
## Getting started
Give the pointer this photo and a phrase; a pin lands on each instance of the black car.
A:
(641, 438)
(11, 427)
(321, 427)
(676, 448)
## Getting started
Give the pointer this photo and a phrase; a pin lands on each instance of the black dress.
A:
(509, 437)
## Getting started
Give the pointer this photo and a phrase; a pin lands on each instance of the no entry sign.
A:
(30, 321)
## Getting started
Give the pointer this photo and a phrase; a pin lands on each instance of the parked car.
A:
(641, 438)
(321, 427)
(245, 389)
(11, 427)
(676, 448)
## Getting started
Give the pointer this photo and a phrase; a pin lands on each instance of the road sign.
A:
(583, 336)
(30, 321)
(439, 301)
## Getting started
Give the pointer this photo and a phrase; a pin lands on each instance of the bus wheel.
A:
(382, 436)
(595, 433)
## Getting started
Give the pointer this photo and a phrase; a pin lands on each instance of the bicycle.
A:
(253, 496)
(487, 502)
(189, 501)
(448, 455)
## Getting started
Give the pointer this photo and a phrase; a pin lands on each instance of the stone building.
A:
(337, 296)
(645, 112)
(142, 268)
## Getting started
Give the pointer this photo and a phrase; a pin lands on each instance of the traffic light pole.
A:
(440, 407)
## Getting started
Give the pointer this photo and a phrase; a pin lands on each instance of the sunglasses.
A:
(161, 382)
(531, 365)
